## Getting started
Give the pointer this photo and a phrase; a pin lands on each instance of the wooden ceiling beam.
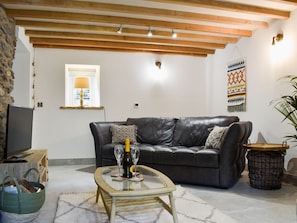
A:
(130, 31)
(289, 2)
(128, 9)
(231, 7)
(112, 49)
(40, 14)
(112, 45)
(122, 38)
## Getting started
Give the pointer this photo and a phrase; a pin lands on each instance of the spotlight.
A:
(149, 33)
(120, 29)
(174, 34)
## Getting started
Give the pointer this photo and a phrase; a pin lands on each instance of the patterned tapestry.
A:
(237, 85)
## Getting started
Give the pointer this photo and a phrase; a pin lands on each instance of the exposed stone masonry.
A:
(7, 51)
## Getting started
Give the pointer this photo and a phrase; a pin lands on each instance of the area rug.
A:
(81, 207)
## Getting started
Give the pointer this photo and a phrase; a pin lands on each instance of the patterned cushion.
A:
(214, 138)
(121, 132)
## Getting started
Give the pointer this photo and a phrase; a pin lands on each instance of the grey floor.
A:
(243, 203)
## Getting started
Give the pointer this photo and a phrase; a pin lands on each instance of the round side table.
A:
(266, 164)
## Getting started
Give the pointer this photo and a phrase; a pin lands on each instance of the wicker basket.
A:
(22, 203)
(265, 169)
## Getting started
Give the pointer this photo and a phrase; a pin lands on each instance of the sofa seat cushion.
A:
(175, 156)
(154, 131)
(187, 156)
(193, 131)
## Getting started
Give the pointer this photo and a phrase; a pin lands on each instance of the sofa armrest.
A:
(232, 152)
(102, 136)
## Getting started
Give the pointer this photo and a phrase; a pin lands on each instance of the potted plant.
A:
(287, 106)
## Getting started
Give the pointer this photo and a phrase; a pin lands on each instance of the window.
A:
(92, 94)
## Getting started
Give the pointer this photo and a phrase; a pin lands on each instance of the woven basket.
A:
(266, 169)
(22, 203)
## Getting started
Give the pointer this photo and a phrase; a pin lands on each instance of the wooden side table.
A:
(35, 159)
(266, 164)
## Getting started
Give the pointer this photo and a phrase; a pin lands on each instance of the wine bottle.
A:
(127, 160)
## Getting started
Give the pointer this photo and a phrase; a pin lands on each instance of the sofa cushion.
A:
(172, 156)
(214, 138)
(193, 131)
(154, 131)
(121, 132)
(178, 156)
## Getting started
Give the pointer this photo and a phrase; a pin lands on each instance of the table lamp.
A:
(81, 82)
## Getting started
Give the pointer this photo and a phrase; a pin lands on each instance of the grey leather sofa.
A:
(177, 148)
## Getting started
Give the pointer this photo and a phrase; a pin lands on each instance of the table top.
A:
(154, 182)
(266, 146)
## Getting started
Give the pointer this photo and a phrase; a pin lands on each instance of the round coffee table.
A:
(266, 164)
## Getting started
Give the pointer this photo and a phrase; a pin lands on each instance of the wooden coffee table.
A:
(127, 195)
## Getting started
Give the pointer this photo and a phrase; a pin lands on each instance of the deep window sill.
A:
(82, 108)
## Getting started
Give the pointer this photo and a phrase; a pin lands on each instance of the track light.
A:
(120, 29)
(149, 33)
(174, 35)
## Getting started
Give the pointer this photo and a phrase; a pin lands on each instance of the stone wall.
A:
(7, 51)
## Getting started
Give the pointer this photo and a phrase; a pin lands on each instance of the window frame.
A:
(79, 70)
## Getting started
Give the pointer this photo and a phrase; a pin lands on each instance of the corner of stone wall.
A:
(7, 52)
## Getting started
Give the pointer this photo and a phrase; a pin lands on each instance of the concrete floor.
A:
(243, 203)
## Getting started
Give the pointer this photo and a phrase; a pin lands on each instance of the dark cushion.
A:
(187, 156)
(193, 131)
(154, 131)
(173, 156)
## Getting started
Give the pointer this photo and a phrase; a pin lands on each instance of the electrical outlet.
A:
(39, 104)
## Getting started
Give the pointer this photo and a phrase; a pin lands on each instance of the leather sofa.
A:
(177, 147)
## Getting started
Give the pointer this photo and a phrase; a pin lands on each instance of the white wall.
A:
(265, 66)
(23, 70)
(191, 87)
(178, 89)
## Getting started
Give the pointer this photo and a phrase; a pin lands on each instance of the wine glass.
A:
(135, 153)
(119, 153)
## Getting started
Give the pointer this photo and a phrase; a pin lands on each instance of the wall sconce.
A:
(279, 37)
(158, 64)
(81, 82)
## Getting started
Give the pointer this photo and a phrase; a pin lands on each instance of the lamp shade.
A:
(81, 82)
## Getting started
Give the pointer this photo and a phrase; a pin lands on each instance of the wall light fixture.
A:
(279, 37)
(158, 64)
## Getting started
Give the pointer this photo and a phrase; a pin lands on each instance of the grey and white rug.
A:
(81, 207)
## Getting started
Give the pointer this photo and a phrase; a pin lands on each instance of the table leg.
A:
(97, 195)
(113, 210)
(172, 204)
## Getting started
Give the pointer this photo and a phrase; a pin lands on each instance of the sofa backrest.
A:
(154, 131)
(193, 131)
